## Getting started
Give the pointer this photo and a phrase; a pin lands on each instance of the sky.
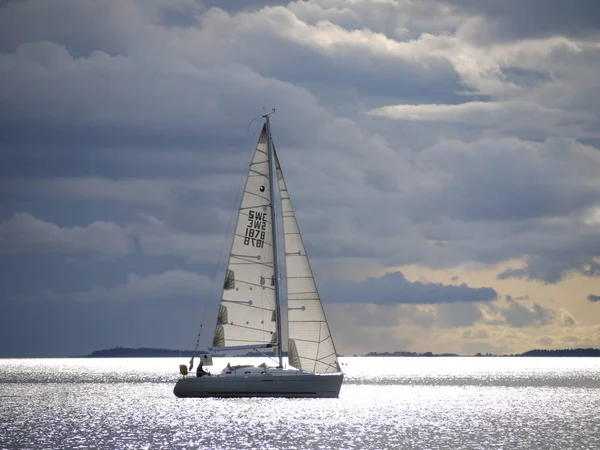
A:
(443, 158)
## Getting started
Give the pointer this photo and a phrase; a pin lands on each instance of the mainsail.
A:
(310, 344)
(247, 313)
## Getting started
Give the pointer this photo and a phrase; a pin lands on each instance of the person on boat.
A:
(200, 370)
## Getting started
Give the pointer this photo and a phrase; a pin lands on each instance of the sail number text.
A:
(255, 229)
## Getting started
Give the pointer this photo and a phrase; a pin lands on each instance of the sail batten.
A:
(310, 344)
(254, 284)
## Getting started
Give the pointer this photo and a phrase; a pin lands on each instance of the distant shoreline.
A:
(531, 353)
(123, 352)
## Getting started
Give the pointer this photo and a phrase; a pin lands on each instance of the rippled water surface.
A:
(429, 403)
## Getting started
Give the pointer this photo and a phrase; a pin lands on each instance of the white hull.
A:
(261, 383)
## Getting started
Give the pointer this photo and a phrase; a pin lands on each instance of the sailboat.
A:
(251, 310)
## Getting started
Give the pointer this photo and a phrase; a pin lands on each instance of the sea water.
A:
(385, 403)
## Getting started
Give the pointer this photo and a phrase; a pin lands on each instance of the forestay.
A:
(310, 344)
(247, 310)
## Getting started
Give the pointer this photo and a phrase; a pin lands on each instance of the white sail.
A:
(310, 344)
(247, 313)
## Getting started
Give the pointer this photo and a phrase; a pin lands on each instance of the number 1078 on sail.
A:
(256, 228)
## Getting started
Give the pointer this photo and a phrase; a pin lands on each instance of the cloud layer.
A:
(437, 134)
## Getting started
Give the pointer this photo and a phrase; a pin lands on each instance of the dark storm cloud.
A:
(57, 328)
(154, 310)
(521, 189)
(516, 188)
(518, 19)
(553, 265)
(124, 139)
(52, 100)
(394, 288)
(124, 85)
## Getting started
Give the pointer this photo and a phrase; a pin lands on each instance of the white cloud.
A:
(407, 196)
(44, 82)
(592, 216)
(512, 115)
(392, 18)
(25, 233)
(567, 320)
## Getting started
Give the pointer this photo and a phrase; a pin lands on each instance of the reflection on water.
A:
(384, 403)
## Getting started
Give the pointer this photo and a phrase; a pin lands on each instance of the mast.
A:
(276, 254)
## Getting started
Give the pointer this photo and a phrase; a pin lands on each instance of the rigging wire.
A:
(198, 339)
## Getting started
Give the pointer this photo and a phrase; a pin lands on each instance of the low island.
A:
(124, 352)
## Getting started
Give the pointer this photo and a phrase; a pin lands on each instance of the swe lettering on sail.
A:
(255, 229)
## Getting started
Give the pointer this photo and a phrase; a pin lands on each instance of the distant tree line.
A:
(536, 352)
(124, 352)
(409, 354)
(564, 352)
